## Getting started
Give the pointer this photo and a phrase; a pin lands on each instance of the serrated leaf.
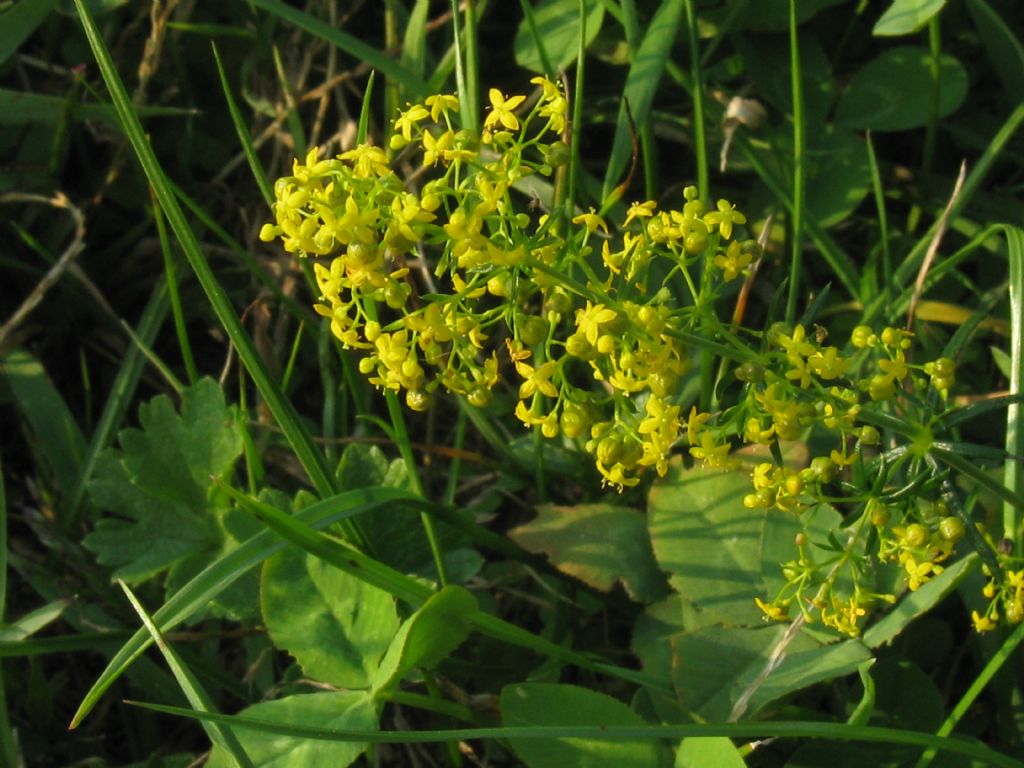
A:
(558, 28)
(159, 485)
(893, 91)
(347, 710)
(599, 544)
(904, 17)
(335, 625)
(437, 628)
(525, 704)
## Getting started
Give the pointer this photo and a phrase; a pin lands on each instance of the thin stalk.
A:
(994, 665)
(699, 141)
(172, 291)
(931, 129)
(577, 116)
(798, 167)
(883, 227)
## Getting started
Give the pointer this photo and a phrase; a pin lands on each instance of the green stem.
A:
(983, 679)
(931, 129)
(577, 117)
(703, 183)
(798, 166)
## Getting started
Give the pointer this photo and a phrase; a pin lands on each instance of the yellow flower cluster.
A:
(443, 285)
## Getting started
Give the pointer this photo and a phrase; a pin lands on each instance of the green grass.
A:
(455, 582)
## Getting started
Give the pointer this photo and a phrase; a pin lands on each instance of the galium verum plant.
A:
(443, 282)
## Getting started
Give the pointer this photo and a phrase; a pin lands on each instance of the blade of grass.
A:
(8, 751)
(743, 730)
(243, 133)
(799, 167)
(468, 105)
(20, 21)
(119, 399)
(984, 677)
(415, 593)
(699, 141)
(219, 733)
(171, 280)
(301, 442)
(356, 48)
(642, 82)
(1013, 472)
(883, 227)
(228, 568)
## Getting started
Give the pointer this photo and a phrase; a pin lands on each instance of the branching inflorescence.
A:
(444, 282)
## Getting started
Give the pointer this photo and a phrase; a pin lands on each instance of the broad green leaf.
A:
(709, 542)
(767, 60)
(346, 710)
(335, 625)
(558, 26)
(51, 431)
(599, 544)
(914, 604)
(18, 22)
(717, 751)
(526, 704)
(892, 92)
(159, 485)
(1002, 46)
(714, 666)
(905, 17)
(437, 628)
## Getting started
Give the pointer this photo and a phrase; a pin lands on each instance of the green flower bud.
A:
(951, 529)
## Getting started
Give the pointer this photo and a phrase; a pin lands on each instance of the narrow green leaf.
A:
(742, 730)
(284, 413)
(1001, 45)
(33, 621)
(546, 38)
(1011, 496)
(219, 733)
(1013, 471)
(23, 108)
(52, 432)
(413, 85)
(243, 132)
(641, 84)
(20, 21)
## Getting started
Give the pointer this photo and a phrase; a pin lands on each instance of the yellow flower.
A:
(407, 120)
(536, 379)
(591, 221)
(441, 104)
(984, 623)
(501, 110)
(695, 424)
(771, 611)
(724, 218)
(590, 319)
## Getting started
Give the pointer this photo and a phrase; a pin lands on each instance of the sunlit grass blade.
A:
(243, 133)
(1013, 473)
(171, 280)
(226, 570)
(414, 86)
(219, 733)
(977, 686)
(295, 432)
(799, 169)
(414, 592)
(742, 730)
(641, 84)
(120, 397)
